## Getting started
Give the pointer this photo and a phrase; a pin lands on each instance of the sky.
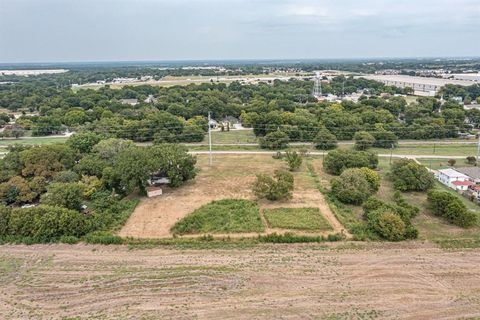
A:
(147, 30)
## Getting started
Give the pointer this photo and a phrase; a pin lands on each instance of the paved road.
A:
(408, 156)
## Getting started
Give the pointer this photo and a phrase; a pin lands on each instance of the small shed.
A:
(154, 191)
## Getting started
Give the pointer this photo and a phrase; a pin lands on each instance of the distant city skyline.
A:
(161, 30)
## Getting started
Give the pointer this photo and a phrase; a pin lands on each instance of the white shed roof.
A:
(451, 173)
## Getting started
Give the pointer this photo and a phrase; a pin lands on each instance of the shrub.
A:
(338, 160)
(451, 207)
(4, 220)
(278, 156)
(407, 175)
(372, 177)
(388, 225)
(102, 237)
(69, 239)
(274, 140)
(325, 140)
(352, 186)
(47, 223)
(278, 187)
(293, 159)
(452, 162)
(363, 140)
(471, 160)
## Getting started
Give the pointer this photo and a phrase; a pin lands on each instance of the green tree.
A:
(363, 140)
(385, 139)
(352, 186)
(274, 140)
(338, 160)
(46, 160)
(407, 175)
(68, 195)
(324, 140)
(132, 168)
(83, 142)
(172, 161)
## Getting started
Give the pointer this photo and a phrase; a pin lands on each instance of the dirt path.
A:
(335, 281)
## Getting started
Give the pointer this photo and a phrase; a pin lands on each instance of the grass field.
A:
(296, 218)
(437, 164)
(233, 136)
(33, 141)
(223, 216)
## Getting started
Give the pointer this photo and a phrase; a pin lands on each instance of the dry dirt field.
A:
(322, 281)
(230, 177)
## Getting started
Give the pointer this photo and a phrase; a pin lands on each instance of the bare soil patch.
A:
(338, 281)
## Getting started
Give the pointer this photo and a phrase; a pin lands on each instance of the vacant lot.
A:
(230, 176)
(340, 281)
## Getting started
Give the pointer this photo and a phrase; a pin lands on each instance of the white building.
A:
(454, 179)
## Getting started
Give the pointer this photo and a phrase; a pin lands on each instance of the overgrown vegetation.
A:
(450, 207)
(278, 187)
(337, 161)
(223, 216)
(408, 175)
(297, 218)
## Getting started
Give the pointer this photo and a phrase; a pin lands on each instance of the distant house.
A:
(131, 102)
(150, 99)
(472, 172)
(454, 179)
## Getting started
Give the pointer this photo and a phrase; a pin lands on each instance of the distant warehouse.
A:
(421, 85)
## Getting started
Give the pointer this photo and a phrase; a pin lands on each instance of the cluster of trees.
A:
(337, 161)
(85, 173)
(390, 221)
(451, 207)
(408, 175)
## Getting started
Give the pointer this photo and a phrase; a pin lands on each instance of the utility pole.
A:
(391, 153)
(209, 140)
(478, 150)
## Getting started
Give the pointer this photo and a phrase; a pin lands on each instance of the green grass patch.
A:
(223, 216)
(33, 141)
(297, 218)
(232, 136)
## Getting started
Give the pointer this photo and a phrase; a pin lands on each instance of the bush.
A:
(278, 187)
(4, 220)
(407, 175)
(372, 177)
(293, 159)
(338, 160)
(388, 225)
(69, 239)
(274, 140)
(451, 207)
(325, 140)
(47, 223)
(452, 162)
(102, 237)
(363, 140)
(352, 187)
(471, 160)
(66, 176)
